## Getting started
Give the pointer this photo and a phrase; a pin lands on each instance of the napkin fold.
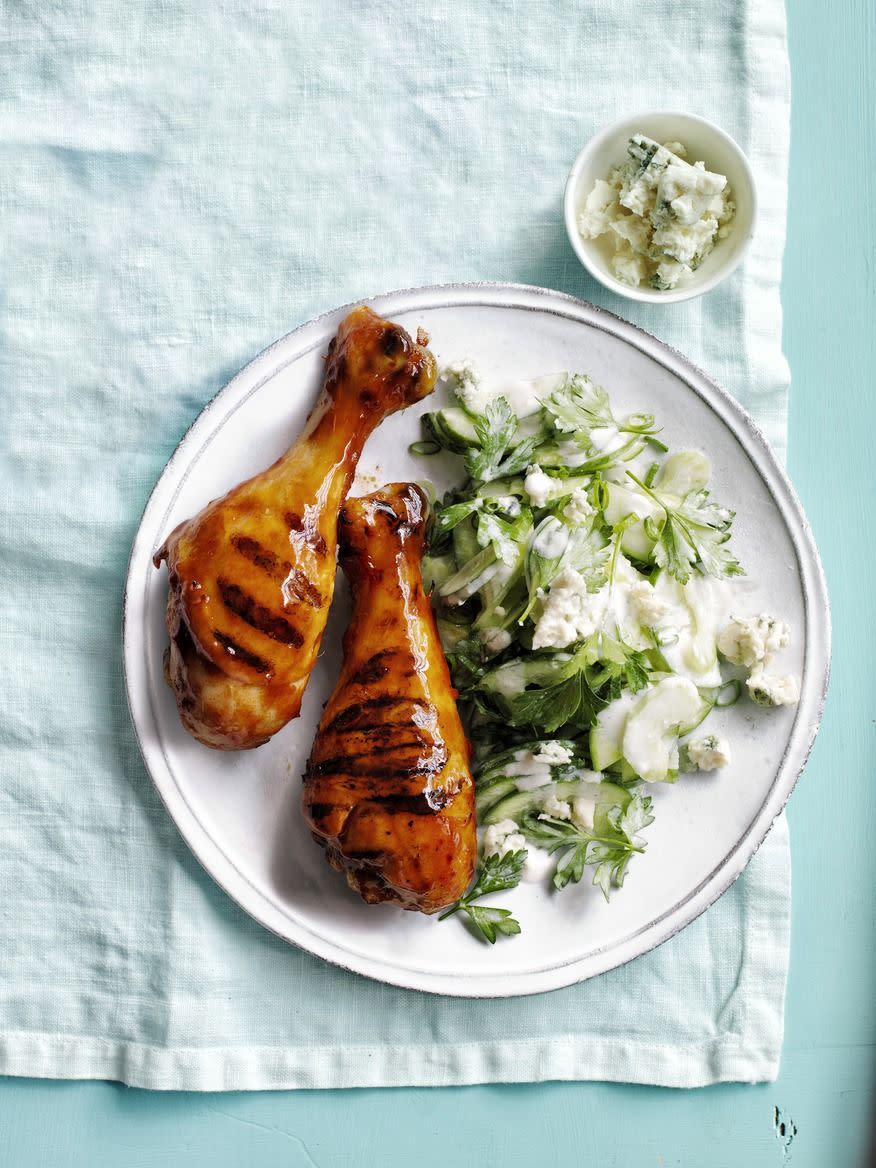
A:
(178, 189)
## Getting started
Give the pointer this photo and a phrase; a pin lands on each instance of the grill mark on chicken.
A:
(395, 804)
(392, 342)
(261, 556)
(374, 669)
(257, 616)
(405, 804)
(312, 537)
(320, 811)
(296, 586)
(383, 737)
(232, 648)
(347, 719)
(347, 764)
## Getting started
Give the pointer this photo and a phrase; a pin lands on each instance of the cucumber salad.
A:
(587, 598)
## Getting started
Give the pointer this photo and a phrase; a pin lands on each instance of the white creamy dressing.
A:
(606, 439)
(688, 632)
(572, 454)
(523, 396)
(551, 540)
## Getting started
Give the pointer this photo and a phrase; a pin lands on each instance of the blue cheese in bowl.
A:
(661, 214)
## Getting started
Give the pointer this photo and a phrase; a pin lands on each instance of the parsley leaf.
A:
(495, 430)
(491, 921)
(550, 707)
(694, 532)
(518, 459)
(448, 517)
(620, 667)
(579, 405)
(608, 847)
(494, 874)
(466, 663)
(544, 556)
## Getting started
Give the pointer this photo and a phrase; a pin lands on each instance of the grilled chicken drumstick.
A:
(388, 791)
(251, 576)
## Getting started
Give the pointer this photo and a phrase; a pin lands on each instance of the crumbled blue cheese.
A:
(464, 379)
(645, 605)
(754, 642)
(553, 753)
(771, 689)
(503, 837)
(532, 769)
(543, 488)
(554, 808)
(751, 641)
(578, 509)
(709, 753)
(569, 612)
(583, 809)
(661, 215)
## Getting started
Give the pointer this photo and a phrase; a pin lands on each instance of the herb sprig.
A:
(609, 846)
(495, 874)
(694, 532)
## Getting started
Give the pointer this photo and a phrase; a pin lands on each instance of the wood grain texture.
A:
(827, 1077)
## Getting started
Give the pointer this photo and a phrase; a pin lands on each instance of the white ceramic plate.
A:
(239, 812)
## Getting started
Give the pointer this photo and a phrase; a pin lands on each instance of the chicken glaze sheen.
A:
(251, 577)
(388, 791)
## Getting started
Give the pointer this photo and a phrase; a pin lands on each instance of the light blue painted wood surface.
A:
(826, 1087)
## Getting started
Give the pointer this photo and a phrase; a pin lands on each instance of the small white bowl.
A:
(702, 140)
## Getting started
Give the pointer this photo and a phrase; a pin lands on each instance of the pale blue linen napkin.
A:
(179, 185)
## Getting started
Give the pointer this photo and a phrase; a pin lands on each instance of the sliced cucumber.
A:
(514, 676)
(689, 470)
(451, 633)
(608, 730)
(471, 577)
(650, 740)
(698, 612)
(610, 796)
(492, 793)
(623, 501)
(452, 428)
(465, 542)
(516, 805)
(498, 488)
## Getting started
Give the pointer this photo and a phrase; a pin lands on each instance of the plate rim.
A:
(266, 912)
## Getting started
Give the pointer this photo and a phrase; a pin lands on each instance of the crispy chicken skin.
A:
(388, 791)
(251, 577)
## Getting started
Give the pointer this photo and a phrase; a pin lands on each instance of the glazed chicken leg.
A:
(388, 791)
(251, 577)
